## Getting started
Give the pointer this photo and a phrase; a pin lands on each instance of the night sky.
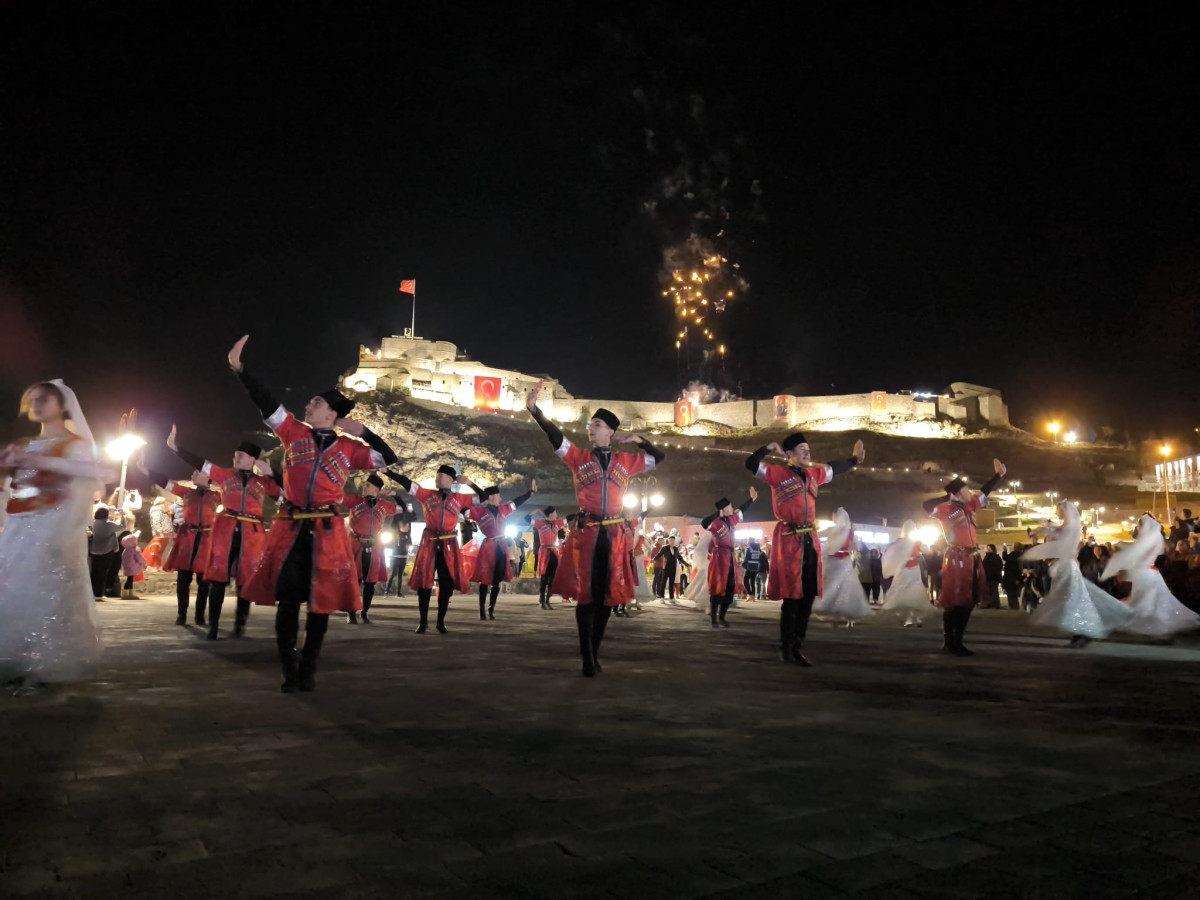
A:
(914, 193)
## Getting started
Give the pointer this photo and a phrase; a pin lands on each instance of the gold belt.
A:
(247, 519)
(196, 529)
(443, 535)
(298, 514)
(595, 522)
(797, 529)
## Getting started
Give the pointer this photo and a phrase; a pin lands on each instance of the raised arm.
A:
(754, 461)
(517, 501)
(259, 393)
(934, 502)
(749, 502)
(553, 432)
(707, 520)
(403, 480)
(992, 483)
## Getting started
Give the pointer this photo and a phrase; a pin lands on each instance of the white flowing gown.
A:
(48, 626)
(697, 589)
(907, 595)
(842, 594)
(1156, 612)
(1073, 604)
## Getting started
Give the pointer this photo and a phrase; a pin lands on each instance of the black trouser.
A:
(113, 586)
(659, 579)
(216, 589)
(445, 589)
(101, 571)
(368, 587)
(719, 605)
(129, 582)
(748, 582)
(669, 578)
(794, 613)
(954, 623)
(591, 620)
(183, 588)
(871, 589)
(499, 570)
(1014, 595)
(546, 584)
(397, 575)
(293, 589)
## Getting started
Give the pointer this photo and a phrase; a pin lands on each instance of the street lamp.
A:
(1165, 450)
(1069, 437)
(120, 449)
(644, 499)
(1053, 429)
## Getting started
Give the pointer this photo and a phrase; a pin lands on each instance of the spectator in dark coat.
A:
(1012, 574)
(993, 570)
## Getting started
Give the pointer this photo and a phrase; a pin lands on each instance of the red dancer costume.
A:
(439, 553)
(795, 576)
(601, 545)
(491, 565)
(548, 528)
(238, 538)
(308, 559)
(963, 581)
(722, 581)
(191, 545)
(630, 524)
(369, 513)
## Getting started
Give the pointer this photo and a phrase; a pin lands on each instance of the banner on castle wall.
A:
(685, 413)
(878, 401)
(487, 392)
(783, 407)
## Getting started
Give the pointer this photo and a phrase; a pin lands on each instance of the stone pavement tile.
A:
(962, 882)
(27, 878)
(79, 866)
(1036, 862)
(943, 853)
(1069, 818)
(925, 825)
(762, 861)
(789, 887)
(1182, 887)
(690, 864)
(1184, 846)
(1014, 833)
(1127, 803)
(864, 872)
(1140, 868)
(1152, 824)
(1101, 840)
(546, 870)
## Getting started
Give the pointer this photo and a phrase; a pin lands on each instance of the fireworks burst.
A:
(700, 282)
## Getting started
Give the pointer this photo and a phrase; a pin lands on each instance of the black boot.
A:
(583, 623)
(483, 603)
(351, 618)
(314, 636)
(724, 608)
(423, 610)
(285, 638)
(368, 594)
(787, 631)
(182, 590)
(202, 589)
(443, 605)
(799, 658)
(599, 623)
(239, 621)
(949, 644)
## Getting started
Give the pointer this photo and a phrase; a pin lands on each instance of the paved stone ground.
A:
(481, 764)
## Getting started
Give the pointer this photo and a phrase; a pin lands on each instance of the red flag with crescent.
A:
(408, 287)
(487, 392)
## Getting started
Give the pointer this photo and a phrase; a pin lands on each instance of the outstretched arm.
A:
(749, 502)
(707, 520)
(992, 483)
(403, 480)
(517, 501)
(553, 432)
(934, 502)
(754, 462)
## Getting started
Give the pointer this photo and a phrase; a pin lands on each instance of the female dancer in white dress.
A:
(696, 595)
(907, 595)
(841, 592)
(1156, 612)
(48, 629)
(1074, 605)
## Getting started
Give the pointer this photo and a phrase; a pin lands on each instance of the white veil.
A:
(77, 421)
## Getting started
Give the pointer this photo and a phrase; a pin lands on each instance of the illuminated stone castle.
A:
(436, 371)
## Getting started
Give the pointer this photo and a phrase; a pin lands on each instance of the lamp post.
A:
(1053, 429)
(1165, 450)
(120, 449)
(645, 499)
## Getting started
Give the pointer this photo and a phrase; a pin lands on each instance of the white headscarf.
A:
(77, 421)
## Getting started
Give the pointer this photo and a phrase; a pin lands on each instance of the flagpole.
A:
(414, 312)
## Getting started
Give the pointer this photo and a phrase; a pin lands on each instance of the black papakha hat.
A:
(375, 480)
(607, 418)
(253, 449)
(722, 503)
(793, 440)
(955, 486)
(338, 402)
(447, 470)
(490, 491)
(548, 510)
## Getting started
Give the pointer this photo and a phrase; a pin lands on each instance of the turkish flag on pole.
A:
(408, 287)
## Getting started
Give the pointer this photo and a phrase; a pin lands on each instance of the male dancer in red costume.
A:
(491, 565)
(601, 548)
(963, 581)
(722, 581)
(795, 576)
(438, 553)
(238, 538)
(308, 559)
(369, 513)
(547, 525)
(191, 538)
